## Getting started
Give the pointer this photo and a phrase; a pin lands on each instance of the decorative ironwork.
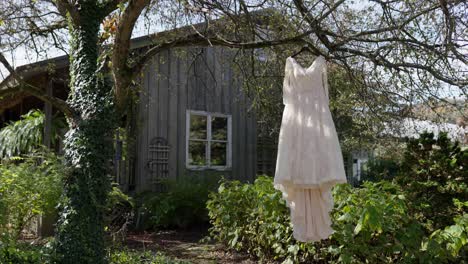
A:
(158, 160)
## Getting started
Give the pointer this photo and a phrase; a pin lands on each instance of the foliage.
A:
(372, 224)
(29, 187)
(25, 253)
(126, 256)
(25, 135)
(448, 244)
(118, 214)
(253, 217)
(434, 172)
(380, 169)
(182, 205)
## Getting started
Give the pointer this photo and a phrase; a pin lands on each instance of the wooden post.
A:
(46, 222)
(48, 116)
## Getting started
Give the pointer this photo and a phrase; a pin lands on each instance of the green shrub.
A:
(119, 214)
(23, 253)
(182, 205)
(125, 256)
(254, 218)
(380, 169)
(29, 187)
(372, 224)
(434, 173)
(449, 244)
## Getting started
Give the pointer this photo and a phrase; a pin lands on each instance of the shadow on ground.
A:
(186, 245)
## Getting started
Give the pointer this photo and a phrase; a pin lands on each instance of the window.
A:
(208, 140)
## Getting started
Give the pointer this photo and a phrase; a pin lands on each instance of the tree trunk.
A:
(88, 147)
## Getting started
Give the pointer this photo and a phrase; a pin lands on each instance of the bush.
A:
(434, 173)
(12, 252)
(448, 244)
(182, 205)
(372, 225)
(381, 169)
(12, 255)
(119, 214)
(29, 187)
(126, 256)
(254, 218)
(23, 253)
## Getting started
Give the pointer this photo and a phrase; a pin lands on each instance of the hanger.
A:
(304, 48)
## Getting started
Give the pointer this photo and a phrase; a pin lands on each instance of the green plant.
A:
(434, 172)
(119, 213)
(381, 169)
(13, 253)
(25, 135)
(372, 224)
(181, 205)
(126, 256)
(448, 244)
(254, 218)
(29, 186)
(25, 253)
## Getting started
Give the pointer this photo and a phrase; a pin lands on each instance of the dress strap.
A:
(325, 80)
(288, 92)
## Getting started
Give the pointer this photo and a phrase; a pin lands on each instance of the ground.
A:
(186, 245)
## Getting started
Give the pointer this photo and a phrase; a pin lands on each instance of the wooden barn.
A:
(192, 117)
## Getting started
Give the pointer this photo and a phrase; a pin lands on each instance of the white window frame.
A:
(209, 140)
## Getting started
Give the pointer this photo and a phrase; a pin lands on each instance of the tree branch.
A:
(121, 49)
(196, 39)
(65, 7)
(110, 5)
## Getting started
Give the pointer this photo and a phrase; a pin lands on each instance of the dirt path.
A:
(186, 245)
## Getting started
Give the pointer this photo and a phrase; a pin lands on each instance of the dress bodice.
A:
(305, 83)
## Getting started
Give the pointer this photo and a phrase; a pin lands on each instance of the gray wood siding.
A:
(200, 79)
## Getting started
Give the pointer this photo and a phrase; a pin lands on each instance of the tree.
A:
(406, 50)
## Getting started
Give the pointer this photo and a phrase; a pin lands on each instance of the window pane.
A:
(197, 127)
(218, 154)
(219, 127)
(197, 152)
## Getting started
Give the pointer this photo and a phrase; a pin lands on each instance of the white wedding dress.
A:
(309, 161)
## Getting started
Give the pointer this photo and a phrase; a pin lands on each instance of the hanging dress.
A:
(309, 161)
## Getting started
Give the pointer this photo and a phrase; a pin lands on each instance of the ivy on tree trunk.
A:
(88, 147)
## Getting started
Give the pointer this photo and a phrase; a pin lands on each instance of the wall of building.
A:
(200, 79)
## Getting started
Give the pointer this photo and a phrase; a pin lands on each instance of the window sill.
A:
(205, 168)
